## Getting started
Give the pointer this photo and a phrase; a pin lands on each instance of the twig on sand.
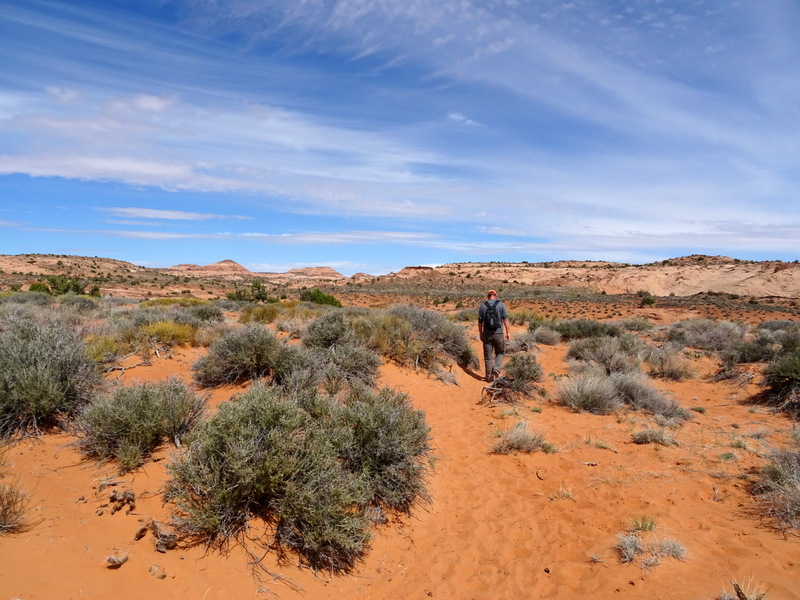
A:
(499, 391)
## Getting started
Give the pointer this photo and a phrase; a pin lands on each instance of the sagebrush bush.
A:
(669, 362)
(778, 488)
(519, 439)
(546, 335)
(522, 371)
(653, 436)
(782, 378)
(260, 313)
(414, 336)
(707, 334)
(637, 391)
(525, 315)
(592, 391)
(521, 342)
(327, 331)
(622, 354)
(248, 353)
(389, 444)
(304, 463)
(636, 323)
(349, 364)
(584, 328)
(45, 374)
(133, 421)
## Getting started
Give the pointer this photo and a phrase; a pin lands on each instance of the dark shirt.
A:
(502, 312)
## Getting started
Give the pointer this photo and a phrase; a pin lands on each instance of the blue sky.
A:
(369, 135)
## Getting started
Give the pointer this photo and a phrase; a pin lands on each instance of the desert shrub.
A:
(410, 335)
(762, 347)
(309, 466)
(260, 313)
(592, 391)
(168, 333)
(466, 315)
(206, 313)
(707, 334)
(173, 302)
(546, 335)
(80, 304)
(327, 331)
(104, 348)
(349, 364)
(388, 444)
(519, 439)
(248, 353)
(13, 508)
(39, 287)
(746, 591)
(629, 546)
(636, 323)
(575, 329)
(776, 325)
(669, 362)
(45, 374)
(317, 296)
(653, 436)
(129, 424)
(521, 342)
(782, 378)
(525, 315)
(323, 515)
(302, 311)
(622, 354)
(636, 390)
(778, 488)
(237, 466)
(523, 370)
(30, 297)
(58, 285)
(789, 340)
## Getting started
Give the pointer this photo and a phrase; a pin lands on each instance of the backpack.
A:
(491, 320)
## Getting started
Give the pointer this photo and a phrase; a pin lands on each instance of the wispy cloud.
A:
(171, 215)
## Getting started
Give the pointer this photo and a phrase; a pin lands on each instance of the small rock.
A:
(115, 561)
(157, 571)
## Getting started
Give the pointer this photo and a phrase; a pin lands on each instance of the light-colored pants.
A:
(494, 344)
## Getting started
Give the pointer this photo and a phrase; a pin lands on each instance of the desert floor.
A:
(499, 526)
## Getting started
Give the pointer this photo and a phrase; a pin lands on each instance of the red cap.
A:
(491, 293)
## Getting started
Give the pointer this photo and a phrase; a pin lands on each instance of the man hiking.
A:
(492, 322)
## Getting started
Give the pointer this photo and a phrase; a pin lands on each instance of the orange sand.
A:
(500, 527)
